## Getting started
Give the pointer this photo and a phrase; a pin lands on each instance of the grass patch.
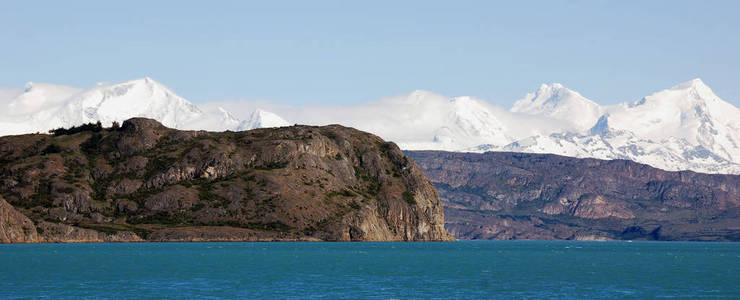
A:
(408, 197)
(159, 165)
(164, 219)
(344, 192)
(53, 148)
(116, 228)
(66, 190)
(272, 166)
(197, 207)
(205, 193)
(92, 145)
(373, 186)
(268, 226)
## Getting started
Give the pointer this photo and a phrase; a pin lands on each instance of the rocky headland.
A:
(142, 181)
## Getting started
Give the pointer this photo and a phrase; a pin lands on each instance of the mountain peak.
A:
(553, 86)
(421, 95)
(558, 102)
(143, 97)
(145, 81)
(464, 100)
(420, 92)
(602, 125)
(686, 94)
(693, 83)
(262, 119)
(549, 95)
(28, 87)
(696, 86)
(689, 111)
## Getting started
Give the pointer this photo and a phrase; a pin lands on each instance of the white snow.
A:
(561, 103)
(41, 107)
(262, 119)
(689, 111)
(686, 127)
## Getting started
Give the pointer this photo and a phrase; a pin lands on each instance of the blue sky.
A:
(338, 52)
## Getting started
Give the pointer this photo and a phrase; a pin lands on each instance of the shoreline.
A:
(386, 241)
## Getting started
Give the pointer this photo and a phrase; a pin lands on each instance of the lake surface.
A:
(466, 269)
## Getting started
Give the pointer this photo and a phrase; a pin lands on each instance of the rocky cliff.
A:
(499, 195)
(143, 181)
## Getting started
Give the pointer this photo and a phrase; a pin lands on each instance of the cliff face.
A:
(143, 181)
(500, 195)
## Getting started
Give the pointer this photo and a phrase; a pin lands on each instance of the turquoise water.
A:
(480, 269)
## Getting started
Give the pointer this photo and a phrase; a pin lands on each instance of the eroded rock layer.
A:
(500, 195)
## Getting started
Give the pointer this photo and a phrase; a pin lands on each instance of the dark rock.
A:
(126, 206)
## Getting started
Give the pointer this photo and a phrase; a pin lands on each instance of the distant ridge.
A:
(504, 195)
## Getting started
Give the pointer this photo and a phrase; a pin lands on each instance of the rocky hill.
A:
(143, 181)
(500, 195)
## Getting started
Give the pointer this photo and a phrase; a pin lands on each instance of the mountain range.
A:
(41, 107)
(685, 127)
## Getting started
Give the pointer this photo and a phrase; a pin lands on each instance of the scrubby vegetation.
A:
(144, 178)
(93, 127)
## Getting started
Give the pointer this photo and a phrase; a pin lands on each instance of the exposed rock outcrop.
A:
(499, 195)
(143, 181)
(15, 226)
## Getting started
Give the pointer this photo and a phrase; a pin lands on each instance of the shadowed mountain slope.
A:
(503, 195)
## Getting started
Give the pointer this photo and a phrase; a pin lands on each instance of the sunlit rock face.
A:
(144, 181)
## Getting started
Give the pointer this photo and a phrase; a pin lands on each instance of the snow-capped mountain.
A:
(688, 111)
(142, 97)
(466, 121)
(262, 119)
(686, 127)
(558, 102)
(217, 119)
(41, 107)
(421, 120)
